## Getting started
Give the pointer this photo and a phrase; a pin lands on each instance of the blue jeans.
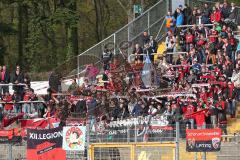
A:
(233, 57)
(202, 127)
(191, 123)
(188, 47)
(92, 120)
(232, 107)
(26, 108)
(214, 121)
(170, 29)
(158, 80)
(17, 108)
(203, 56)
(238, 94)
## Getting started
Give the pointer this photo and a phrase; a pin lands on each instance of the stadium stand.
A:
(192, 77)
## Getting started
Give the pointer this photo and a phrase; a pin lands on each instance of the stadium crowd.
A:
(196, 80)
(199, 76)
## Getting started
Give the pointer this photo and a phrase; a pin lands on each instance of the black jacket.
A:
(17, 77)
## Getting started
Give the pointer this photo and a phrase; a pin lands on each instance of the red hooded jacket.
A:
(216, 16)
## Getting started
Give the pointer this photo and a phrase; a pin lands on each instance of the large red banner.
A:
(203, 140)
(45, 144)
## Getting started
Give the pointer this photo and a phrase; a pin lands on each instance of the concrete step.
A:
(228, 157)
(234, 146)
(228, 151)
(230, 144)
(231, 119)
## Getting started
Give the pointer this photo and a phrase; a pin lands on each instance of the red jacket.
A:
(181, 75)
(221, 104)
(204, 96)
(216, 16)
(199, 116)
(210, 93)
(232, 41)
(8, 99)
(213, 36)
(201, 42)
(27, 96)
(190, 109)
(189, 38)
(230, 90)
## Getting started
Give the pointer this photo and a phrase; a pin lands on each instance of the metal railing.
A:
(132, 151)
(119, 43)
(151, 21)
(122, 149)
(133, 30)
(187, 26)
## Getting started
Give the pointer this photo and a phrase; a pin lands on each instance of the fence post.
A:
(167, 6)
(9, 151)
(128, 134)
(91, 152)
(204, 156)
(89, 155)
(78, 70)
(132, 151)
(128, 34)
(114, 42)
(135, 130)
(148, 15)
(177, 140)
(195, 156)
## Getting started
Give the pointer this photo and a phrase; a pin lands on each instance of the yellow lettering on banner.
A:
(143, 156)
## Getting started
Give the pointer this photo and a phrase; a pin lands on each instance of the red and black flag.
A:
(203, 140)
(45, 144)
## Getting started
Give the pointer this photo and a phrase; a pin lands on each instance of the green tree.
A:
(41, 34)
